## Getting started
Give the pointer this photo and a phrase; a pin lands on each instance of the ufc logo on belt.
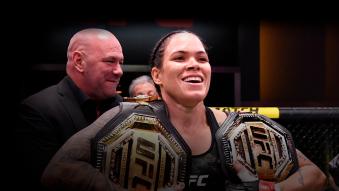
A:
(144, 168)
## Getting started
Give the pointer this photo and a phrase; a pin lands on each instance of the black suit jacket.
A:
(46, 120)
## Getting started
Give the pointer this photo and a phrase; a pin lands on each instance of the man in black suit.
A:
(48, 118)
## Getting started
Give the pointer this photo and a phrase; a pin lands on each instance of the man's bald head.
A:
(84, 39)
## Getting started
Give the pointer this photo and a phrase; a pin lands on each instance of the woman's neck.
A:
(183, 116)
(192, 125)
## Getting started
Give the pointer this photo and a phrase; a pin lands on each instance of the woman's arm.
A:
(307, 177)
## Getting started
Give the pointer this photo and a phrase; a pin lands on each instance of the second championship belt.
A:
(135, 150)
(262, 146)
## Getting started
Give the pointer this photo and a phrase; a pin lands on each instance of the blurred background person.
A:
(142, 85)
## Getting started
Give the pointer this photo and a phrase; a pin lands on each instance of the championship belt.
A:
(142, 98)
(261, 145)
(135, 150)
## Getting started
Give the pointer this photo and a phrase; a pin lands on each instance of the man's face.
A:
(103, 68)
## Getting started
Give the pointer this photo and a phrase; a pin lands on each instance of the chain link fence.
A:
(317, 139)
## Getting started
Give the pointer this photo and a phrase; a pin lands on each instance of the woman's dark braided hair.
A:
(158, 50)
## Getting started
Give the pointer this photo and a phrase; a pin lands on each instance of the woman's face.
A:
(185, 74)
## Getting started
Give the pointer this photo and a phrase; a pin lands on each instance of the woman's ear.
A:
(78, 61)
(155, 72)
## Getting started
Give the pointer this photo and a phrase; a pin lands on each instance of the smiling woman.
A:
(170, 143)
(188, 71)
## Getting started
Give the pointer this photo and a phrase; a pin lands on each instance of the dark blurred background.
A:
(255, 62)
(46, 65)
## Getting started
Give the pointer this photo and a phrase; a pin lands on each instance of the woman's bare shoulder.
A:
(219, 115)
